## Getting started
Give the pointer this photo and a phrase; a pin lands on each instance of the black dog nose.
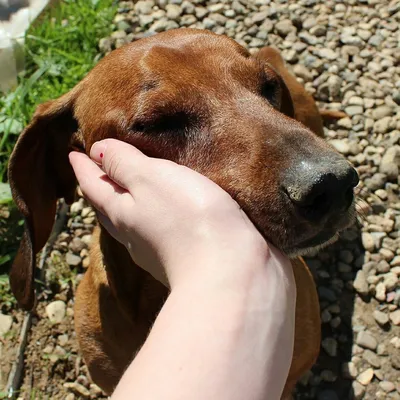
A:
(320, 188)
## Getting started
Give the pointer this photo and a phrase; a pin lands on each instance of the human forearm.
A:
(222, 346)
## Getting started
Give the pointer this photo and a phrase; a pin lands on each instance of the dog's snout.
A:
(321, 188)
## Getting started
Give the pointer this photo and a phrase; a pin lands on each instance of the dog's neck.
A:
(136, 291)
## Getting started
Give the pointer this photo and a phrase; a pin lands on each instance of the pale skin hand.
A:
(226, 331)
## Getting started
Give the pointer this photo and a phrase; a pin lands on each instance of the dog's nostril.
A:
(313, 205)
(318, 194)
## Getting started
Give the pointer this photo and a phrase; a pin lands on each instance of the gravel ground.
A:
(348, 57)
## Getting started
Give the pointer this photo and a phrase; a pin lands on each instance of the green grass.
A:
(60, 49)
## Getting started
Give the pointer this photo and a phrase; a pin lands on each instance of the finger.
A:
(95, 185)
(121, 161)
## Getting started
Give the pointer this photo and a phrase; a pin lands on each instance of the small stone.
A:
(380, 317)
(381, 350)
(395, 342)
(259, 17)
(56, 311)
(391, 162)
(144, 7)
(77, 207)
(77, 245)
(396, 263)
(284, 27)
(366, 340)
(327, 294)
(328, 376)
(387, 386)
(358, 390)
(63, 339)
(341, 145)
(5, 324)
(302, 72)
(59, 352)
(366, 376)
(372, 358)
(329, 54)
(345, 123)
(381, 112)
(360, 283)
(383, 125)
(391, 281)
(395, 317)
(368, 241)
(86, 211)
(383, 266)
(354, 110)
(173, 11)
(95, 390)
(395, 360)
(72, 259)
(380, 291)
(349, 370)
(70, 396)
(77, 388)
(330, 346)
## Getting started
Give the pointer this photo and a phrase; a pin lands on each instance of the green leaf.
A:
(11, 125)
(5, 193)
(4, 259)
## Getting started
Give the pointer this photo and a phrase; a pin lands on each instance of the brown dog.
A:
(201, 100)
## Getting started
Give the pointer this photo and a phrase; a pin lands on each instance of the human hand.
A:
(165, 214)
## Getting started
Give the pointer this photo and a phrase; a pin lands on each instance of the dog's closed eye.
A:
(178, 122)
(271, 91)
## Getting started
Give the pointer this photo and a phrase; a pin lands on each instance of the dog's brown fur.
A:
(236, 118)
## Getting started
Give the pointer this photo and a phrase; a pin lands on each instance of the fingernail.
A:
(97, 151)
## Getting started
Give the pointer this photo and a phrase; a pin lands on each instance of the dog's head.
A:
(201, 100)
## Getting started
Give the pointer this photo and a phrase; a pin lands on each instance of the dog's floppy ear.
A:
(272, 57)
(39, 173)
(287, 106)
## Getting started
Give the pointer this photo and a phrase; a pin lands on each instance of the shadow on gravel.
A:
(334, 270)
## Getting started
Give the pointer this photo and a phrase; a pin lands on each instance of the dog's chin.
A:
(312, 250)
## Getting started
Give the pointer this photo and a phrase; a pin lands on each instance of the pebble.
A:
(391, 281)
(330, 346)
(78, 389)
(395, 317)
(77, 207)
(372, 358)
(381, 318)
(76, 245)
(380, 291)
(284, 27)
(5, 324)
(366, 376)
(368, 241)
(329, 54)
(387, 386)
(342, 146)
(72, 259)
(358, 390)
(391, 162)
(366, 340)
(360, 284)
(56, 311)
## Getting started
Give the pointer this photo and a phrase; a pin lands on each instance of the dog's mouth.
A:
(297, 239)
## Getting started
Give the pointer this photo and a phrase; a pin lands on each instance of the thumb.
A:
(121, 161)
